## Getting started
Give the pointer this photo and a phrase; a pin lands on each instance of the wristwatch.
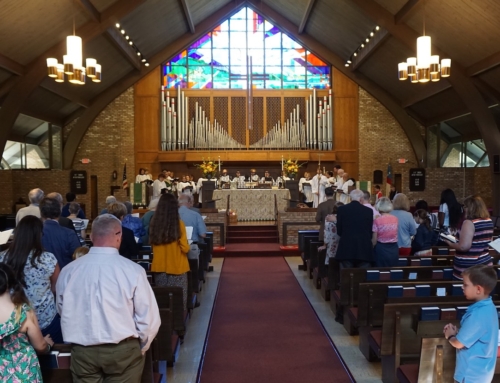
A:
(451, 336)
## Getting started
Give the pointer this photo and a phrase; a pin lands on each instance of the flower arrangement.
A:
(208, 168)
(291, 167)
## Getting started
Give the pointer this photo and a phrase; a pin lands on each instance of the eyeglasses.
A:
(118, 233)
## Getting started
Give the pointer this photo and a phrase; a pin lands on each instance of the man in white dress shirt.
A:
(318, 185)
(108, 311)
(35, 196)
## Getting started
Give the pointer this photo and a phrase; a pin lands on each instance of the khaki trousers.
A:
(110, 363)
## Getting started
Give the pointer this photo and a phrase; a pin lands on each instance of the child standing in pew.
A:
(477, 340)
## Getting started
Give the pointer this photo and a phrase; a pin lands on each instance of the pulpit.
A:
(293, 187)
(208, 195)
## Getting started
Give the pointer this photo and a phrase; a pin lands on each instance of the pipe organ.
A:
(188, 125)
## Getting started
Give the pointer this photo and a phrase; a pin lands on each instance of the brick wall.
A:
(382, 140)
(7, 200)
(216, 218)
(292, 231)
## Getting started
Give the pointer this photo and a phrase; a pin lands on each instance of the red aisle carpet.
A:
(264, 330)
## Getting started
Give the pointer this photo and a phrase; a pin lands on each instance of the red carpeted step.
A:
(252, 240)
(254, 233)
(241, 227)
(263, 329)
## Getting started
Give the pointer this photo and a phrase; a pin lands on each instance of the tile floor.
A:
(186, 368)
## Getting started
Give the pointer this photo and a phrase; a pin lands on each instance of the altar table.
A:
(252, 204)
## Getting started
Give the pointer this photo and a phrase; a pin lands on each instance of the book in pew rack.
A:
(461, 311)
(457, 290)
(422, 290)
(372, 275)
(448, 314)
(385, 275)
(396, 274)
(394, 291)
(429, 313)
(409, 291)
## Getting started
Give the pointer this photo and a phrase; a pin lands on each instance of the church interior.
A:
(241, 104)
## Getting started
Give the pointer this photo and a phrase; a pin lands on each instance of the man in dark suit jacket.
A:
(354, 226)
(325, 208)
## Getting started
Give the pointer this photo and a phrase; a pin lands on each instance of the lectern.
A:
(293, 187)
(208, 194)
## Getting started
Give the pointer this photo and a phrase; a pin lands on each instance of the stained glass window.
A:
(219, 59)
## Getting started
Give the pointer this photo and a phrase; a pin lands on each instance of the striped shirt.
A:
(478, 254)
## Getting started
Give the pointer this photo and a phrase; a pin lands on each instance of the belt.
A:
(108, 344)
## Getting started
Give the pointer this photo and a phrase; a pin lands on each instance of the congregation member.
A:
(306, 189)
(146, 220)
(343, 188)
(331, 237)
(128, 246)
(63, 221)
(385, 235)
(167, 235)
(20, 338)
(159, 186)
(133, 223)
(450, 212)
(34, 196)
(477, 231)
(37, 270)
(267, 178)
(57, 239)
(191, 204)
(365, 201)
(354, 226)
(193, 219)
(318, 185)
(477, 339)
(108, 311)
(254, 177)
(78, 223)
(421, 204)
(406, 224)
(425, 237)
(71, 197)
(109, 200)
(325, 208)
(80, 252)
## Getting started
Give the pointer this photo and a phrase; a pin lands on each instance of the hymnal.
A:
(394, 291)
(457, 289)
(461, 311)
(402, 261)
(448, 314)
(372, 275)
(4, 236)
(409, 291)
(448, 237)
(412, 276)
(442, 250)
(48, 361)
(425, 262)
(437, 274)
(429, 313)
(422, 290)
(441, 292)
(64, 359)
(415, 262)
(447, 273)
(396, 274)
(385, 276)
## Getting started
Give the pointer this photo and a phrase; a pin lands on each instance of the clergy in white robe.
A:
(306, 188)
(267, 178)
(318, 185)
(158, 185)
(254, 177)
(344, 196)
(224, 176)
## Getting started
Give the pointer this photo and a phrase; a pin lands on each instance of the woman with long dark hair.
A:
(450, 211)
(167, 236)
(37, 270)
(425, 237)
(20, 335)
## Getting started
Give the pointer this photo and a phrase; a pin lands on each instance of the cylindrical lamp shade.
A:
(82, 77)
(52, 67)
(60, 73)
(403, 71)
(434, 66)
(91, 63)
(76, 76)
(68, 65)
(97, 77)
(423, 74)
(424, 51)
(412, 66)
(435, 77)
(74, 50)
(445, 67)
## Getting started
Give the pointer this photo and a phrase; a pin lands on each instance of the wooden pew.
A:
(312, 259)
(179, 312)
(400, 338)
(302, 234)
(166, 343)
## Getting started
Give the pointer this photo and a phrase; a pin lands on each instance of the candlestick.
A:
(281, 162)
(219, 164)
(324, 172)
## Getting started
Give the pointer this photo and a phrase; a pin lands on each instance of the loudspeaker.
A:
(496, 163)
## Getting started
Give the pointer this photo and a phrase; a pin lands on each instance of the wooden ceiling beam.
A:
(63, 92)
(189, 17)
(23, 139)
(90, 10)
(447, 116)
(116, 38)
(306, 15)
(426, 92)
(370, 47)
(408, 10)
(7, 85)
(37, 70)
(42, 116)
(487, 89)
(73, 116)
(88, 116)
(484, 65)
(11, 66)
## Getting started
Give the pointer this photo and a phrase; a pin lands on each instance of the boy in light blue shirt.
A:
(477, 340)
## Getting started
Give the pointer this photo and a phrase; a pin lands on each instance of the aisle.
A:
(264, 330)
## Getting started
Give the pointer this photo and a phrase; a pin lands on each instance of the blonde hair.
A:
(384, 205)
(476, 208)
(80, 252)
(401, 202)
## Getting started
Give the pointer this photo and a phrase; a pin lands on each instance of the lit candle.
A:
(324, 171)
(281, 162)
(219, 164)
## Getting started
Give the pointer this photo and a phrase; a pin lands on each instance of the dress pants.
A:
(108, 363)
